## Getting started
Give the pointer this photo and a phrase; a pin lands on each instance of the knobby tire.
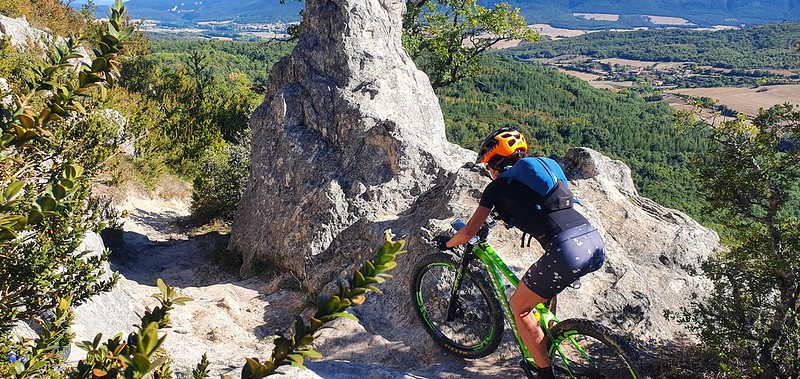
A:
(477, 327)
(609, 356)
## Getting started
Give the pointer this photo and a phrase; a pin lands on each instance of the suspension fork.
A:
(452, 305)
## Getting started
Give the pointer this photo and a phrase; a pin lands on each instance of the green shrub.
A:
(220, 182)
(52, 144)
(750, 318)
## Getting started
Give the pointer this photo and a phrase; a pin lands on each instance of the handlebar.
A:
(483, 232)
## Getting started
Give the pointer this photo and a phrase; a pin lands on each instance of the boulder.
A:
(350, 141)
(22, 35)
(25, 37)
(108, 313)
(349, 134)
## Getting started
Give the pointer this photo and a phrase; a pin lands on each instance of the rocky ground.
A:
(232, 318)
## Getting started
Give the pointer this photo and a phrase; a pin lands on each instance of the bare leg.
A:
(522, 303)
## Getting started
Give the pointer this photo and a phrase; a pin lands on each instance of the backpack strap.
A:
(549, 171)
(559, 197)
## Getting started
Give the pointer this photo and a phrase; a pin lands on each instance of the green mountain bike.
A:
(464, 313)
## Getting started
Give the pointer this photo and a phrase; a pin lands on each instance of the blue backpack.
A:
(545, 177)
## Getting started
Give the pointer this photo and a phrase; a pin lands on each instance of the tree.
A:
(753, 178)
(446, 36)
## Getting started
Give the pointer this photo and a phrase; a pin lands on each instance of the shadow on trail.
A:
(179, 262)
(681, 358)
(166, 222)
(391, 360)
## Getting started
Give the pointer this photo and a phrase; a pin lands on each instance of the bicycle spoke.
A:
(468, 326)
(579, 355)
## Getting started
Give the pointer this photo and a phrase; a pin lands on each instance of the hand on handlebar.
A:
(441, 242)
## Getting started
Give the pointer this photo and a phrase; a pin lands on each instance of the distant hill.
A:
(257, 11)
(632, 13)
(756, 47)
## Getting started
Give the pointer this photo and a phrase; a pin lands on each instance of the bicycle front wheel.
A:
(587, 349)
(476, 327)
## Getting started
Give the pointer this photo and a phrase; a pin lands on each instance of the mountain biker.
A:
(573, 247)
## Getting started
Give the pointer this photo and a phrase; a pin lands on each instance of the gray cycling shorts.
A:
(569, 255)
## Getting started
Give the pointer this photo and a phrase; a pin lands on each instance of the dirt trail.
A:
(230, 318)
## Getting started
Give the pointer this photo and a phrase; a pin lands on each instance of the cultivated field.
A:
(747, 100)
(597, 16)
(546, 30)
(580, 74)
(594, 80)
(682, 104)
(661, 20)
(635, 63)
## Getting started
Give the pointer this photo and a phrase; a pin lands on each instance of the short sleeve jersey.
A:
(516, 204)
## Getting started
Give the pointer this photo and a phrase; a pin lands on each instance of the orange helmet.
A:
(503, 142)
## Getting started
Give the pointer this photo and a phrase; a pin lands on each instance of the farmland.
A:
(746, 100)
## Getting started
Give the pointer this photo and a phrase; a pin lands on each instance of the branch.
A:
(292, 350)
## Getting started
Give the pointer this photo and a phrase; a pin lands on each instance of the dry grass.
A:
(581, 75)
(747, 100)
(121, 177)
(661, 20)
(680, 359)
(507, 44)
(555, 33)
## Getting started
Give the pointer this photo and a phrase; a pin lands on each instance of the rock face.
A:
(350, 141)
(22, 34)
(350, 133)
(24, 37)
(648, 248)
(108, 313)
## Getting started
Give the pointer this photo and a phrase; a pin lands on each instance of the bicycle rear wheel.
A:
(587, 349)
(477, 326)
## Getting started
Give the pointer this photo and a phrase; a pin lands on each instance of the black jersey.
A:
(518, 205)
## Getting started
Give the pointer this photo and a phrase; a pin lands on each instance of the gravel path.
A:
(230, 318)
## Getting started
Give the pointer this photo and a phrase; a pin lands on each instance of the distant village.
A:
(222, 30)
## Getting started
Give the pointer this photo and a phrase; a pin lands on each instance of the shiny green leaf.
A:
(13, 190)
(47, 203)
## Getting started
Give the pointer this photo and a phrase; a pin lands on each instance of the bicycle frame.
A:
(498, 269)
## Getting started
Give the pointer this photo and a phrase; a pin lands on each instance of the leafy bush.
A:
(220, 182)
(52, 145)
(445, 37)
(185, 109)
